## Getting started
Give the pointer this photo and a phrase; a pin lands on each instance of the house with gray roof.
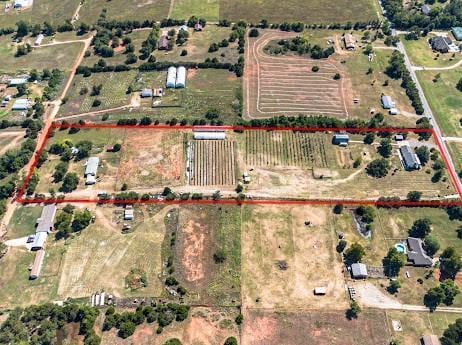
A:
(416, 253)
(90, 170)
(46, 221)
(440, 44)
(409, 158)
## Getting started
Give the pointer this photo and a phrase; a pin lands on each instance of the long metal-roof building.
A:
(207, 135)
(171, 77)
(46, 221)
(92, 166)
(180, 77)
(39, 240)
(37, 266)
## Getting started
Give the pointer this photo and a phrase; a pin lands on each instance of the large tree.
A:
(354, 254)
(420, 228)
(450, 263)
(393, 262)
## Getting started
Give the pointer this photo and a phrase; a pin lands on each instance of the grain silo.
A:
(171, 77)
(180, 77)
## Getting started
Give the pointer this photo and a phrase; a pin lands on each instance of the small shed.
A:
(21, 104)
(341, 139)
(426, 9)
(17, 81)
(146, 93)
(37, 266)
(320, 290)
(198, 27)
(393, 111)
(399, 137)
(457, 32)
(358, 270)
(387, 102)
(129, 214)
(350, 42)
(246, 177)
(164, 43)
(38, 40)
(159, 92)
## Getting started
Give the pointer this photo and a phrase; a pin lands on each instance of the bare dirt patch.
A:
(152, 158)
(193, 251)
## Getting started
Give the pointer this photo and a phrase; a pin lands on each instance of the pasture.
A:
(123, 10)
(102, 256)
(60, 56)
(421, 54)
(277, 235)
(22, 222)
(207, 9)
(51, 11)
(286, 85)
(296, 10)
(201, 232)
(113, 93)
(455, 149)
(314, 326)
(443, 98)
(212, 163)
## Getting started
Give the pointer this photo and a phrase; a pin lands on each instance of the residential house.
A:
(440, 44)
(341, 139)
(17, 81)
(350, 42)
(46, 221)
(387, 102)
(21, 104)
(416, 254)
(409, 159)
(91, 170)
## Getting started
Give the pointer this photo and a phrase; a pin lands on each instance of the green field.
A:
(444, 99)
(421, 54)
(207, 9)
(23, 221)
(455, 149)
(60, 56)
(124, 10)
(52, 11)
(113, 93)
(198, 44)
(298, 10)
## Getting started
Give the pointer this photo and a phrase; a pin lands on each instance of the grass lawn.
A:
(207, 9)
(455, 150)
(52, 11)
(60, 56)
(421, 54)
(113, 93)
(369, 87)
(198, 44)
(298, 10)
(23, 221)
(444, 99)
(416, 324)
(124, 10)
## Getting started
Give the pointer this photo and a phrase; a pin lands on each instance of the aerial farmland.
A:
(229, 172)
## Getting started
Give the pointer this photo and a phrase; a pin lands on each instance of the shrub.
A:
(315, 68)
(219, 256)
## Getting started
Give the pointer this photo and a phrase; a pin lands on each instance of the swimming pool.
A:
(401, 248)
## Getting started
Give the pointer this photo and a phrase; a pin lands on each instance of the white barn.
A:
(171, 77)
(180, 78)
(38, 40)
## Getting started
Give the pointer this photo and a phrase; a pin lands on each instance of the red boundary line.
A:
(321, 202)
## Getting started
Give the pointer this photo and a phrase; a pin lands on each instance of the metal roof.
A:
(39, 240)
(92, 166)
(180, 77)
(411, 161)
(47, 218)
(171, 77)
(387, 102)
(209, 135)
(358, 270)
(37, 266)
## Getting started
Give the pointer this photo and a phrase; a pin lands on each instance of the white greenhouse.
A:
(206, 135)
(171, 77)
(180, 78)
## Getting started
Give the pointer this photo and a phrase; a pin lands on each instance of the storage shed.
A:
(17, 81)
(164, 43)
(180, 77)
(39, 241)
(359, 270)
(457, 32)
(320, 290)
(387, 102)
(146, 93)
(393, 111)
(350, 42)
(218, 135)
(38, 40)
(37, 266)
(171, 77)
(341, 139)
(129, 214)
(21, 104)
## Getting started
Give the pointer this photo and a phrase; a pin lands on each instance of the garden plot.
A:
(212, 162)
(278, 85)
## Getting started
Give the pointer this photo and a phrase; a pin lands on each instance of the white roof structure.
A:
(92, 166)
(17, 81)
(90, 179)
(171, 77)
(39, 39)
(22, 3)
(39, 240)
(210, 135)
(359, 270)
(129, 214)
(180, 78)
(21, 104)
(320, 290)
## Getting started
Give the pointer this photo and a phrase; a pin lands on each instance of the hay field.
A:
(101, 257)
(286, 85)
(272, 234)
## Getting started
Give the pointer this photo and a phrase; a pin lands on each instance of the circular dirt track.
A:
(286, 85)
